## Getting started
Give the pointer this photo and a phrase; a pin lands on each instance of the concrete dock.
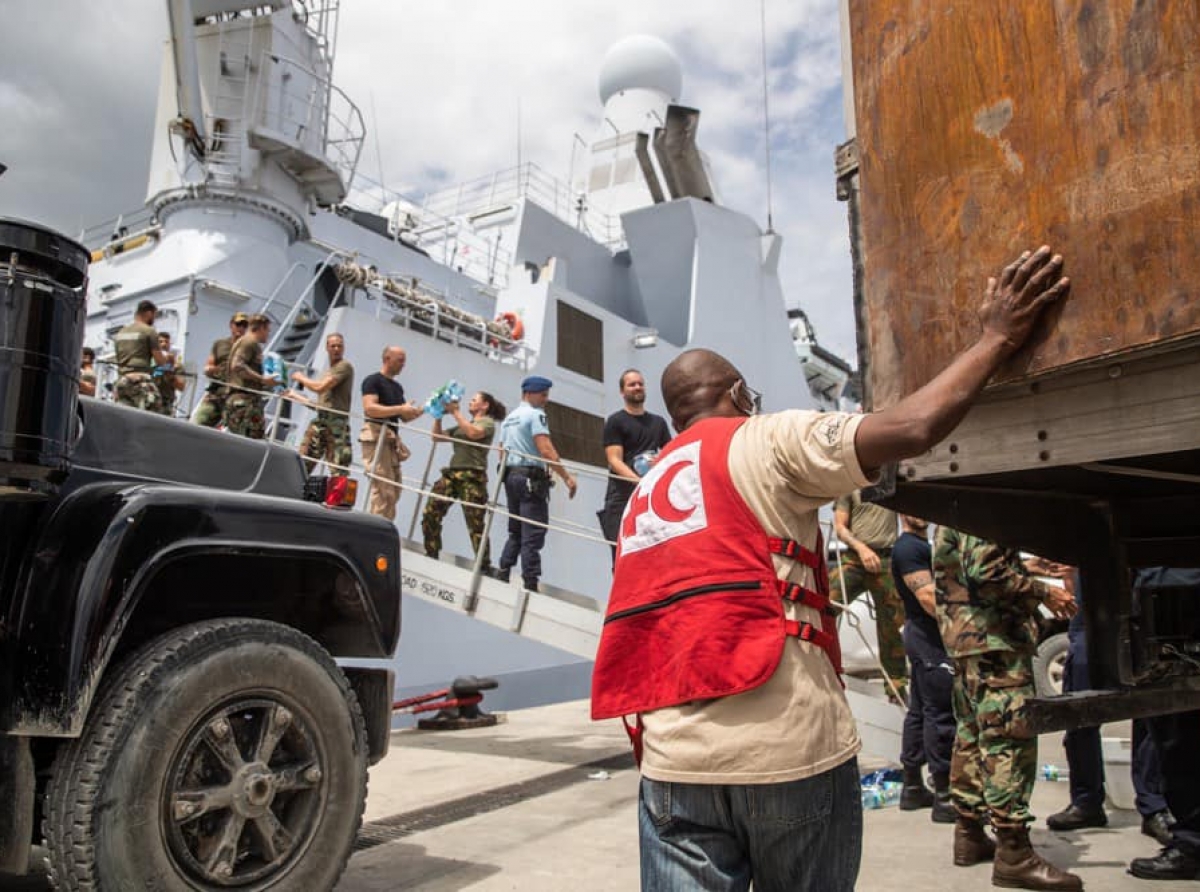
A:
(546, 800)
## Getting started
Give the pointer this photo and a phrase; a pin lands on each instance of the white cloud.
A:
(445, 79)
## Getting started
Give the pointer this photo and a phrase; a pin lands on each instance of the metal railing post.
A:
(477, 566)
(412, 527)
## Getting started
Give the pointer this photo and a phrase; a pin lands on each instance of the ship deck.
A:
(546, 800)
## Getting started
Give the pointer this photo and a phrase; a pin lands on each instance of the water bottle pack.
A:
(881, 788)
(450, 392)
(273, 365)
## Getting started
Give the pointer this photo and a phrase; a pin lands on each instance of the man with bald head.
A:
(718, 649)
(384, 403)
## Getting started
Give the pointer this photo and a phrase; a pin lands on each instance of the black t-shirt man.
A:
(913, 554)
(388, 391)
(635, 434)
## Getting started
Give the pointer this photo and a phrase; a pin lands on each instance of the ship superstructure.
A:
(254, 204)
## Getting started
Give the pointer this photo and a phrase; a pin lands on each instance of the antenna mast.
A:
(762, 6)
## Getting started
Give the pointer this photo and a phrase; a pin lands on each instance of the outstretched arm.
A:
(1011, 305)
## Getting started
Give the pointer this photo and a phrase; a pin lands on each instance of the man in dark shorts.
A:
(632, 438)
(928, 737)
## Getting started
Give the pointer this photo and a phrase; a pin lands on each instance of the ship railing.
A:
(119, 228)
(474, 199)
(452, 241)
(426, 310)
(307, 111)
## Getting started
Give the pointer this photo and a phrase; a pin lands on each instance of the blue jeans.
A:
(785, 837)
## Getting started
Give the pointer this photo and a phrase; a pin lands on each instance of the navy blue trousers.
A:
(525, 540)
(1084, 756)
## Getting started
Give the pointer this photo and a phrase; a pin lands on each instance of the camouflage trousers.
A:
(139, 391)
(995, 753)
(469, 486)
(211, 410)
(889, 610)
(167, 399)
(244, 416)
(327, 439)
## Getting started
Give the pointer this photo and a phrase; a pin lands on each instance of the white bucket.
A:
(1118, 771)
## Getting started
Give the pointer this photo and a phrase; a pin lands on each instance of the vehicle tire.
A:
(1048, 665)
(226, 754)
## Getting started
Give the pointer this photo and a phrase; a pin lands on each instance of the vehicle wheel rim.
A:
(245, 793)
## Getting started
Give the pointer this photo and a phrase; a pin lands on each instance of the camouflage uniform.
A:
(328, 435)
(212, 407)
(327, 439)
(987, 609)
(244, 416)
(243, 410)
(467, 485)
(889, 608)
(138, 390)
(165, 382)
(135, 345)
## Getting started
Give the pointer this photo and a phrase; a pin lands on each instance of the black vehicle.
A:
(171, 604)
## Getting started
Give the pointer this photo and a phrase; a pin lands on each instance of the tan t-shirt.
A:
(871, 524)
(338, 396)
(798, 724)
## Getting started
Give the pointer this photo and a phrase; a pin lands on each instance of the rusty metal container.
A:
(986, 128)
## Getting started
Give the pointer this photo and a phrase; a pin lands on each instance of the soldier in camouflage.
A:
(244, 407)
(169, 377)
(869, 532)
(465, 479)
(137, 354)
(987, 606)
(328, 435)
(212, 407)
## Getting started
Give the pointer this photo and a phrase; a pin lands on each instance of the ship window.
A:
(578, 436)
(580, 342)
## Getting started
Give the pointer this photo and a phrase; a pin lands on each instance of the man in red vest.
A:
(718, 647)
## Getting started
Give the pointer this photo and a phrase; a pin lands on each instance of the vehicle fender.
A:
(89, 590)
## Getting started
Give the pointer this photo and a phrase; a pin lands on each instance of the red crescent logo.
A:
(660, 498)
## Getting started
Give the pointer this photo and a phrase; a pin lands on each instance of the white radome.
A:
(641, 62)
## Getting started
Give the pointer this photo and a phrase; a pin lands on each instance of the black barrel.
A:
(43, 304)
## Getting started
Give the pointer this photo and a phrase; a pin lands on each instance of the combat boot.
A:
(914, 794)
(972, 845)
(944, 811)
(1018, 866)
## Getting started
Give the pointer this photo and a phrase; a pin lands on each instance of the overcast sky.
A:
(78, 81)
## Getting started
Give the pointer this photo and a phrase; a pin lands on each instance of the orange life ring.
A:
(514, 323)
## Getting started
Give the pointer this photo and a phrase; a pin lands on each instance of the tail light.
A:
(332, 492)
(340, 492)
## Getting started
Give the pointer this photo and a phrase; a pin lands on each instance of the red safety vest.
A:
(696, 609)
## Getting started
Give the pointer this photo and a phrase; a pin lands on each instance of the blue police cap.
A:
(536, 384)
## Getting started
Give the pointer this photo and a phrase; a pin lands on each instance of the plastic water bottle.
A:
(643, 461)
(273, 365)
(1053, 773)
(872, 797)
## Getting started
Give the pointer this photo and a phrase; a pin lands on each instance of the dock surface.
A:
(546, 800)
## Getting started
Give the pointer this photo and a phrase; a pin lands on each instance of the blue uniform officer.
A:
(529, 459)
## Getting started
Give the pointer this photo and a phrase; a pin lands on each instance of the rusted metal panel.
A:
(986, 128)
